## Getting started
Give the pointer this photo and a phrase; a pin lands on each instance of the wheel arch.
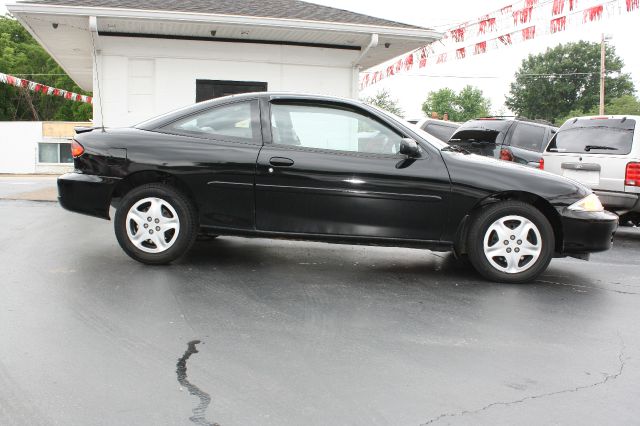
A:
(536, 201)
(137, 179)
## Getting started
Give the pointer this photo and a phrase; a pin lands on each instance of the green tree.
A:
(564, 79)
(624, 105)
(22, 56)
(469, 103)
(383, 100)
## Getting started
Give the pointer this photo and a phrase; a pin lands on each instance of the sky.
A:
(491, 72)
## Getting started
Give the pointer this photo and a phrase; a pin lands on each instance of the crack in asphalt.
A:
(608, 377)
(205, 399)
(586, 286)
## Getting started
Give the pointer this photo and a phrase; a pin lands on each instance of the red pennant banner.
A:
(505, 39)
(37, 87)
(558, 7)
(423, 58)
(593, 14)
(558, 24)
(458, 34)
(516, 24)
(486, 24)
(408, 62)
(480, 48)
(529, 33)
(522, 16)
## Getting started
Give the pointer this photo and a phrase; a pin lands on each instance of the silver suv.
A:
(604, 154)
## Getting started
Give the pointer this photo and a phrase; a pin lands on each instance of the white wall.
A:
(141, 77)
(18, 145)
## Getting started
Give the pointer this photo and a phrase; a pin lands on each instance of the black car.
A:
(325, 169)
(506, 138)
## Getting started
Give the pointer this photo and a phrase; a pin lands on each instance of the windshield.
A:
(594, 136)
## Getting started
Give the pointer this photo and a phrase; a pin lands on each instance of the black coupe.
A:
(326, 169)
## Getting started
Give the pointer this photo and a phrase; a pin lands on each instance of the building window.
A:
(54, 153)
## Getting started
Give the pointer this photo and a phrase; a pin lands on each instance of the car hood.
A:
(488, 176)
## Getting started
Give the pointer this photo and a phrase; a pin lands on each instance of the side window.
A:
(231, 122)
(528, 137)
(333, 128)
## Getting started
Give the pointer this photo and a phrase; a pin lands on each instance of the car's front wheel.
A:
(155, 224)
(510, 242)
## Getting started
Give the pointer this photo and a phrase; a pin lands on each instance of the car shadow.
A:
(358, 264)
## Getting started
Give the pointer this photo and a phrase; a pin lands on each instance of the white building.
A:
(41, 147)
(141, 59)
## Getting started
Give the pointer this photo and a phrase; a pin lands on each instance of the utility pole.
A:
(603, 51)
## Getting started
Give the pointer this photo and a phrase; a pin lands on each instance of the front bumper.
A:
(86, 194)
(587, 232)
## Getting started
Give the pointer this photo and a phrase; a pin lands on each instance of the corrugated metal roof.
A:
(281, 9)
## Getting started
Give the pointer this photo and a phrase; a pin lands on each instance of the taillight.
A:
(76, 149)
(541, 164)
(506, 155)
(632, 176)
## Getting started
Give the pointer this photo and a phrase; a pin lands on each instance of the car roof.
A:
(602, 117)
(194, 108)
(446, 123)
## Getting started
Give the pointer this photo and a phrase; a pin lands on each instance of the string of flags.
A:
(500, 29)
(43, 88)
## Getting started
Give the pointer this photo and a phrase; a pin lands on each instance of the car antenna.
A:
(93, 30)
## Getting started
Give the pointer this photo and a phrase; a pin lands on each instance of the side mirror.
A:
(409, 147)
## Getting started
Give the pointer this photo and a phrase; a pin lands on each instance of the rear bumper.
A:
(86, 194)
(587, 232)
(619, 201)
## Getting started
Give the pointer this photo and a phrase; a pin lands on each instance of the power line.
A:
(501, 76)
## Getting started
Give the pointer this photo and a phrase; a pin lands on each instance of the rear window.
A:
(529, 137)
(475, 135)
(595, 136)
(439, 131)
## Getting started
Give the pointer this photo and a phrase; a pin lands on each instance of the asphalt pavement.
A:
(272, 332)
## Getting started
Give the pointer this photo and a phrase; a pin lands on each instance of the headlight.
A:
(590, 203)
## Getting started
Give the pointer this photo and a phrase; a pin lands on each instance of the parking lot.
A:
(269, 332)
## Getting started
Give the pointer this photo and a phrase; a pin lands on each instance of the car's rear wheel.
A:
(155, 224)
(510, 242)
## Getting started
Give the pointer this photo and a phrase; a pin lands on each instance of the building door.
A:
(209, 89)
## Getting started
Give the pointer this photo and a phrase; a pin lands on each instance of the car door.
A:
(334, 169)
(216, 158)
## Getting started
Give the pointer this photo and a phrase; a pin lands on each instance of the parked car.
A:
(507, 138)
(604, 154)
(292, 166)
(441, 129)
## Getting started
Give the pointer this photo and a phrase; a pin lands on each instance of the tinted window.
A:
(529, 137)
(595, 136)
(331, 128)
(236, 121)
(439, 131)
(475, 135)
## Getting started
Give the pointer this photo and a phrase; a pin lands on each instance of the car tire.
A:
(161, 213)
(510, 242)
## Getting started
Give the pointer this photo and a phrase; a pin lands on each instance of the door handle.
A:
(280, 162)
